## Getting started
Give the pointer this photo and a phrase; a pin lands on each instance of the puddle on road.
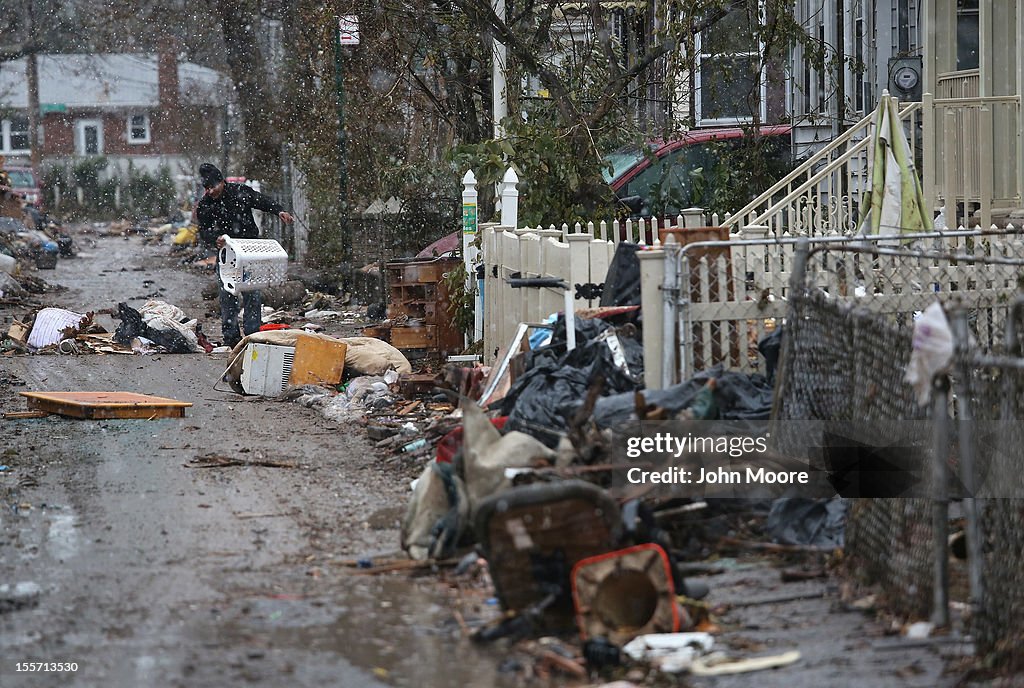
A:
(61, 537)
(403, 627)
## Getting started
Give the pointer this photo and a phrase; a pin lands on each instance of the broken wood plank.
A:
(19, 415)
(774, 547)
(106, 405)
(218, 461)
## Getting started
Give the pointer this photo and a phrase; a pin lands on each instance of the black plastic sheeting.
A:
(540, 400)
(132, 326)
(622, 283)
(803, 521)
(771, 348)
(738, 396)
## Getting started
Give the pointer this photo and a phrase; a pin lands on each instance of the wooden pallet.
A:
(106, 405)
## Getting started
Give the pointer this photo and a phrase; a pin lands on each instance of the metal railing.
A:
(823, 193)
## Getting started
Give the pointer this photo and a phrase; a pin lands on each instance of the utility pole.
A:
(499, 97)
(32, 76)
(347, 34)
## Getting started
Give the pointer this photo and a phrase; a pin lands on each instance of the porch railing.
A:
(822, 195)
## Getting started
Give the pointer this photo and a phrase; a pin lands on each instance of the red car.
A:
(664, 177)
(25, 184)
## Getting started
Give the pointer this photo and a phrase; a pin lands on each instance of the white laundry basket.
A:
(251, 264)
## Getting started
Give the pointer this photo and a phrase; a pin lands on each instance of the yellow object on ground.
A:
(186, 236)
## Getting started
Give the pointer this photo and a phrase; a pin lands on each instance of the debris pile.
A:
(158, 327)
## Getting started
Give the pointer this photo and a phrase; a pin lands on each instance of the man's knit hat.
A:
(210, 175)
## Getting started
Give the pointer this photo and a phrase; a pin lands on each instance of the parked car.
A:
(706, 168)
(25, 183)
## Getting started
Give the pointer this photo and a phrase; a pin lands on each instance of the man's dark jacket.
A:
(231, 214)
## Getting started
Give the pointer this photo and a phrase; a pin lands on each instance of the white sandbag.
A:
(369, 356)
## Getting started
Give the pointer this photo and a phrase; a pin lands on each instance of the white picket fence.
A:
(710, 303)
(722, 298)
(578, 254)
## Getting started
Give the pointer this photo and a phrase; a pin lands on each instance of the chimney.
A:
(166, 128)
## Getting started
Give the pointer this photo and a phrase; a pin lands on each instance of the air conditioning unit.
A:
(266, 369)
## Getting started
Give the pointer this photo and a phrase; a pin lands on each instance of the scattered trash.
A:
(19, 596)
(670, 652)
(155, 324)
(622, 594)
(723, 666)
(50, 325)
(218, 461)
(919, 630)
(805, 521)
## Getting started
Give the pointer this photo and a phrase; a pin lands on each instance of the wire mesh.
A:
(847, 344)
(843, 363)
(996, 386)
(732, 294)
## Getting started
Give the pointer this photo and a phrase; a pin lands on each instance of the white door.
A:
(89, 137)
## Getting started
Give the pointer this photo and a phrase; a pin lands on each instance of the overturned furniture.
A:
(269, 369)
(533, 536)
(105, 405)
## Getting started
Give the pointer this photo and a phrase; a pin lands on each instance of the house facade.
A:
(142, 110)
(974, 78)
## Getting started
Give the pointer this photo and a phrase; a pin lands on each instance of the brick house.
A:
(144, 109)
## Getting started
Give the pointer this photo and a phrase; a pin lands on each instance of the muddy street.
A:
(151, 573)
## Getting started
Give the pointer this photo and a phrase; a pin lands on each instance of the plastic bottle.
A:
(413, 446)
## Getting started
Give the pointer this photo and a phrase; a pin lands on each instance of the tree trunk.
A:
(239, 19)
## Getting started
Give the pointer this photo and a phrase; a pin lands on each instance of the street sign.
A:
(52, 107)
(348, 29)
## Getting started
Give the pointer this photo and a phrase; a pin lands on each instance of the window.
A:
(730, 67)
(138, 129)
(89, 137)
(967, 34)
(14, 135)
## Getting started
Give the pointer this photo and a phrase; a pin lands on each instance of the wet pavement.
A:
(152, 573)
(156, 574)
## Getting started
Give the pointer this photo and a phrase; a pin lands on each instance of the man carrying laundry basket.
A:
(226, 211)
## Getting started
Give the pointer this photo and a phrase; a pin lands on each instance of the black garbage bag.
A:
(743, 397)
(535, 401)
(619, 360)
(541, 401)
(622, 283)
(133, 326)
(738, 397)
(804, 521)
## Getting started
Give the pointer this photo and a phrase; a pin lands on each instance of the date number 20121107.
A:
(46, 666)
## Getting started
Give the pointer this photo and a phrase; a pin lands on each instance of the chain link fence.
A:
(844, 364)
(993, 383)
(845, 358)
